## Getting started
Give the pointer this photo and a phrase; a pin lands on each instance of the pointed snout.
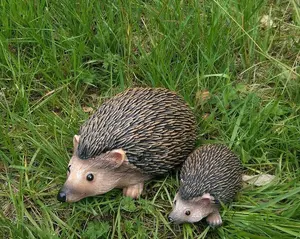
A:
(68, 194)
(173, 218)
(62, 196)
(170, 219)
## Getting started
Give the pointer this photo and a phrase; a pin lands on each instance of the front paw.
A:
(133, 191)
(214, 219)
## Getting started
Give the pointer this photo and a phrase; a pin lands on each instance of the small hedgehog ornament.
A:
(135, 136)
(211, 174)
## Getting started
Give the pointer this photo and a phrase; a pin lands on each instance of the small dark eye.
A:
(90, 177)
(175, 202)
(69, 170)
(187, 213)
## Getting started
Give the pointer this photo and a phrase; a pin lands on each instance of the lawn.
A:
(236, 63)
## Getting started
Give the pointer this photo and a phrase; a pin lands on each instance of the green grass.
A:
(57, 57)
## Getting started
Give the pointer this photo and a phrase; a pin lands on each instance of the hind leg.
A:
(214, 219)
(133, 191)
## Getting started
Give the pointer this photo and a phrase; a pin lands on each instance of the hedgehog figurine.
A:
(135, 136)
(211, 175)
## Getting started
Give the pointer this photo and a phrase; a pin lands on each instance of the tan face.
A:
(192, 210)
(85, 179)
(92, 176)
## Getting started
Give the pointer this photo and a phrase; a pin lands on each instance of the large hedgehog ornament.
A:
(133, 137)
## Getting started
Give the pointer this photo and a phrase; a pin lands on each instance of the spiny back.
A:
(212, 169)
(153, 126)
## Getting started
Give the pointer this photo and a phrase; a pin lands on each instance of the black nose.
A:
(61, 196)
(170, 219)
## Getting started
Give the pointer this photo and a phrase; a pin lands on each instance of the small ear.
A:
(207, 196)
(75, 141)
(204, 199)
(117, 157)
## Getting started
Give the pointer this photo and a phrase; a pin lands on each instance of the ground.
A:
(235, 62)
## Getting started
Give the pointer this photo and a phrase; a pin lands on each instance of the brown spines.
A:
(154, 126)
(212, 169)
